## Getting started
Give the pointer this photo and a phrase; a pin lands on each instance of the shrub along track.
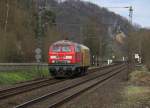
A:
(63, 91)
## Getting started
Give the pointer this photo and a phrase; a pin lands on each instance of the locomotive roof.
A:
(64, 42)
(84, 47)
(67, 42)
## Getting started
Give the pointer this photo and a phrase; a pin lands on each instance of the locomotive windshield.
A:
(66, 49)
(61, 48)
(56, 49)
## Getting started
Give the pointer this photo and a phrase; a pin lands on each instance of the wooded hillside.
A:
(83, 22)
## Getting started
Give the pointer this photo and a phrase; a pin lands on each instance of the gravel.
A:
(106, 96)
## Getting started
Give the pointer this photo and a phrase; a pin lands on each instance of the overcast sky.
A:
(141, 14)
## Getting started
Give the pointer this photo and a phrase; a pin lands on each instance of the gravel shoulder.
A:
(117, 93)
(101, 96)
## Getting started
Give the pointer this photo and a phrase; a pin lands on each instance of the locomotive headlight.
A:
(68, 61)
(53, 57)
(53, 61)
(68, 57)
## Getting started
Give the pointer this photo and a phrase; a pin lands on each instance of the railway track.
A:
(29, 86)
(57, 97)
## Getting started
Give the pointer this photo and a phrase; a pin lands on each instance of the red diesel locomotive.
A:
(67, 58)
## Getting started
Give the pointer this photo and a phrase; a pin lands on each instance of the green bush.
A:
(13, 77)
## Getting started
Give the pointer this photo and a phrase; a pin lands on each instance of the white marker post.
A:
(38, 57)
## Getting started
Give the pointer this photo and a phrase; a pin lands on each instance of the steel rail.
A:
(36, 100)
(27, 87)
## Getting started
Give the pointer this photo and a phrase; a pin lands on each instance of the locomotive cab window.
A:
(66, 49)
(56, 48)
(78, 49)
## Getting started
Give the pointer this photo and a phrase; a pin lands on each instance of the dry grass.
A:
(137, 92)
(140, 77)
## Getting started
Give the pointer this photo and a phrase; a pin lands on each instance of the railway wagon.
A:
(68, 59)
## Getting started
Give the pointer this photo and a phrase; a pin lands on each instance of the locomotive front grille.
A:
(61, 62)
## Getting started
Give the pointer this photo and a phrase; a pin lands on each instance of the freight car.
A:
(68, 59)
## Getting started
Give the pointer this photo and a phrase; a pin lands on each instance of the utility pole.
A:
(130, 14)
(130, 11)
(7, 15)
(40, 33)
(40, 27)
